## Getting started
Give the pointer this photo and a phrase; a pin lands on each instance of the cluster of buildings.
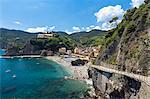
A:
(64, 50)
(91, 52)
(86, 53)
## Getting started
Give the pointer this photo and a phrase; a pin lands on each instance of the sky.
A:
(62, 15)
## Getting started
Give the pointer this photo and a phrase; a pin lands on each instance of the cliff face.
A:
(127, 48)
(114, 86)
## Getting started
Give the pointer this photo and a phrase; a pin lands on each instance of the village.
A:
(87, 54)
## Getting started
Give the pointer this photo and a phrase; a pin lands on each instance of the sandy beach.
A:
(78, 72)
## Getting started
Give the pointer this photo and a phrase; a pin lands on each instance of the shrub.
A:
(131, 28)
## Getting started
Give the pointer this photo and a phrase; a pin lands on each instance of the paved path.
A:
(131, 75)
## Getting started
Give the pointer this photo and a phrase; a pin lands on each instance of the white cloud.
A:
(17, 22)
(107, 13)
(88, 29)
(40, 29)
(107, 26)
(97, 27)
(83, 28)
(136, 3)
(68, 32)
(76, 29)
(51, 28)
(92, 26)
(36, 29)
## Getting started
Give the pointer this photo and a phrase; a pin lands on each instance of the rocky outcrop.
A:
(127, 48)
(114, 86)
(128, 45)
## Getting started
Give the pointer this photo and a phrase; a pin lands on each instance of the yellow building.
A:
(62, 50)
(77, 50)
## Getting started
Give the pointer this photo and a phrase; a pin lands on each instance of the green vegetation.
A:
(95, 40)
(125, 45)
(91, 38)
(18, 38)
(113, 19)
(54, 43)
(20, 42)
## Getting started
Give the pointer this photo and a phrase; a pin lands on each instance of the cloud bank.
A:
(136, 3)
(40, 29)
(76, 29)
(106, 14)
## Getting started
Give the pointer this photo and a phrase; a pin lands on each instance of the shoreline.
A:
(78, 72)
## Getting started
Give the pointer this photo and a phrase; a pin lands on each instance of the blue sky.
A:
(61, 15)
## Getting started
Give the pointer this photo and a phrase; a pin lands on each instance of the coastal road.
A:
(142, 78)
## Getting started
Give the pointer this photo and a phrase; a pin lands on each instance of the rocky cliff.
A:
(128, 45)
(113, 86)
(127, 48)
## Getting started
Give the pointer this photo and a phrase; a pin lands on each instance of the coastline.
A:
(78, 72)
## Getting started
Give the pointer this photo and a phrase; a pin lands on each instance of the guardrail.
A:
(131, 75)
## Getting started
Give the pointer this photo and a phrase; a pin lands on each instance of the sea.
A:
(36, 78)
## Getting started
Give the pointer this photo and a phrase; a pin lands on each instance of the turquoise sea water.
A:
(36, 78)
(2, 52)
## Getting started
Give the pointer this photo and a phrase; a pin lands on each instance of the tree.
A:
(114, 19)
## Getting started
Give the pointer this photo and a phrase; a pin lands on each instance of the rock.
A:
(127, 47)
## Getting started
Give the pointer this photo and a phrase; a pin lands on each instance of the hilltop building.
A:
(45, 35)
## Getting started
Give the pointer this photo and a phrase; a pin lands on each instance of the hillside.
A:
(126, 48)
(19, 42)
(18, 38)
(63, 34)
(126, 45)
(93, 37)
(11, 37)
